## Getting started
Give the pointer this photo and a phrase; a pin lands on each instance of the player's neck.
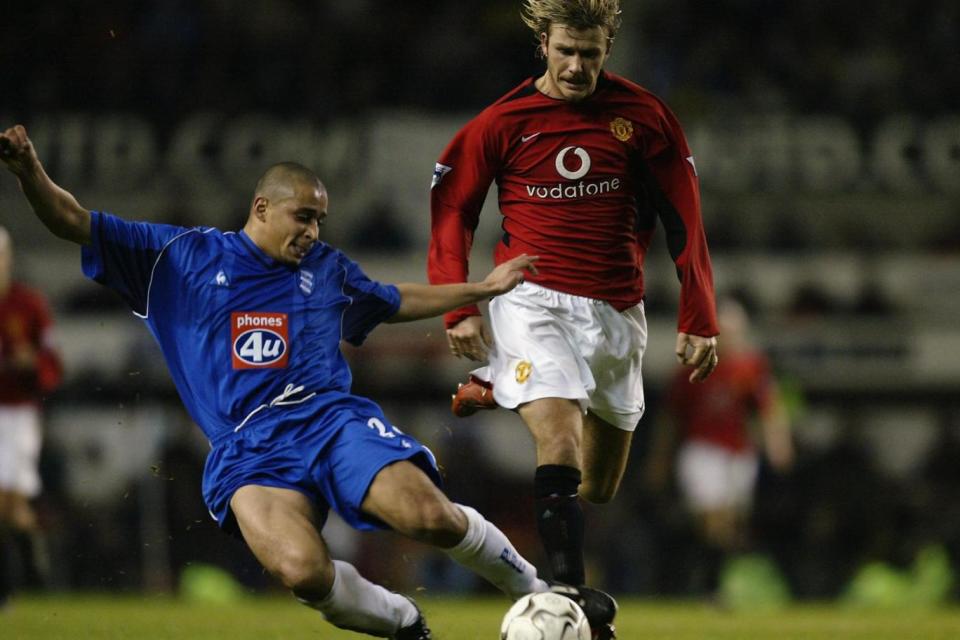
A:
(261, 238)
(545, 86)
(257, 237)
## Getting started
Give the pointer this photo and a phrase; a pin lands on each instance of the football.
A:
(545, 616)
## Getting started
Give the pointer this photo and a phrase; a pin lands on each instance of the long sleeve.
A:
(673, 169)
(460, 182)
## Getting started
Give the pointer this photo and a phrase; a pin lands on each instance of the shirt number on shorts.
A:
(377, 423)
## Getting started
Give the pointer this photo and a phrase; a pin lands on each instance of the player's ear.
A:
(260, 208)
(544, 41)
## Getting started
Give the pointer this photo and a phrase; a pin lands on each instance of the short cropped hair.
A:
(540, 15)
(284, 174)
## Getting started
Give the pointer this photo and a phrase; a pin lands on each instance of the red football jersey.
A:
(25, 320)
(718, 410)
(581, 184)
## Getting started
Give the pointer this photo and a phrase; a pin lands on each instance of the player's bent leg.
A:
(282, 529)
(557, 426)
(487, 552)
(357, 604)
(404, 497)
(606, 450)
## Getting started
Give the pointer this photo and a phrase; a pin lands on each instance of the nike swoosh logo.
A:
(529, 137)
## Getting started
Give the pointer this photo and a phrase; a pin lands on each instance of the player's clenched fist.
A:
(16, 150)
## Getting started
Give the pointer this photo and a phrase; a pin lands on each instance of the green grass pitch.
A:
(277, 618)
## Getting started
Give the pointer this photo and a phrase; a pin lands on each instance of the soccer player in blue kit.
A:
(250, 325)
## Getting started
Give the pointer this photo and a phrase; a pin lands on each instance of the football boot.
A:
(472, 396)
(599, 607)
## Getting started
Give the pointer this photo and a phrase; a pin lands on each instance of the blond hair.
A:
(540, 15)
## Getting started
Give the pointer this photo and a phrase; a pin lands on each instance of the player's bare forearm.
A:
(425, 300)
(419, 301)
(54, 206)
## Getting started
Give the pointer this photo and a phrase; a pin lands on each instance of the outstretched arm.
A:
(56, 207)
(425, 301)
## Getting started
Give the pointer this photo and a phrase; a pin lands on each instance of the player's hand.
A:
(509, 274)
(697, 352)
(470, 338)
(17, 151)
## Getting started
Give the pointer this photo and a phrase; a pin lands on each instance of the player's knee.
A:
(306, 574)
(436, 522)
(561, 449)
(598, 492)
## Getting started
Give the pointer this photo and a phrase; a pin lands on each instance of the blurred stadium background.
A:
(827, 137)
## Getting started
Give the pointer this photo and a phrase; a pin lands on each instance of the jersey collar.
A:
(257, 253)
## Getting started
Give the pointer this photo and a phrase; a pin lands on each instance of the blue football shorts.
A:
(330, 457)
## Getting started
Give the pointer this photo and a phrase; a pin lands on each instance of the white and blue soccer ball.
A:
(545, 616)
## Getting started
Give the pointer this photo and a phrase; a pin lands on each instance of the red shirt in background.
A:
(25, 319)
(719, 409)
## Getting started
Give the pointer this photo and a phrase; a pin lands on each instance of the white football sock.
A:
(486, 551)
(357, 604)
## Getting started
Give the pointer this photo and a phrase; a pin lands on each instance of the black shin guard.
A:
(560, 520)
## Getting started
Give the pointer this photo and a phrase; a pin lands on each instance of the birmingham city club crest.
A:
(306, 282)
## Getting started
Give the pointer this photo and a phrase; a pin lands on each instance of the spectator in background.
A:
(29, 369)
(707, 434)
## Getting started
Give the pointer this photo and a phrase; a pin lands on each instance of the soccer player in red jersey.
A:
(29, 369)
(708, 428)
(585, 163)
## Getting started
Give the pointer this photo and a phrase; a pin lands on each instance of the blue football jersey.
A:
(246, 338)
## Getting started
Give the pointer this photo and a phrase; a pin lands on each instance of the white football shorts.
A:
(20, 438)
(548, 344)
(714, 477)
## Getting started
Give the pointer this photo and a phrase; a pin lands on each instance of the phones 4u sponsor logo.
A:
(259, 340)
